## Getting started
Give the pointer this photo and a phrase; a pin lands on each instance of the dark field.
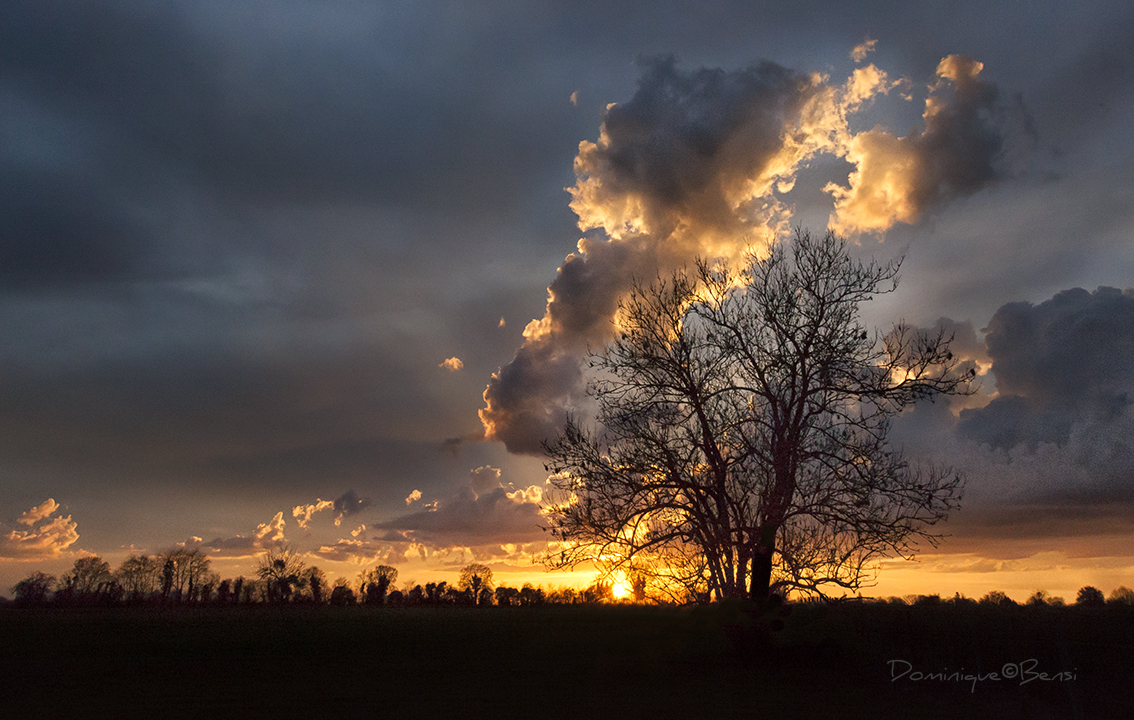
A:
(564, 662)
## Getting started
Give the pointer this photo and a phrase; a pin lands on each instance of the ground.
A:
(568, 662)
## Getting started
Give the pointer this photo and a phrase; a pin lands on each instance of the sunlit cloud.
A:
(31, 517)
(413, 496)
(695, 165)
(483, 512)
(484, 479)
(46, 537)
(859, 53)
(265, 535)
(452, 364)
(896, 179)
(303, 513)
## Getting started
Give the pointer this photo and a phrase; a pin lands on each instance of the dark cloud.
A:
(349, 503)
(468, 519)
(1058, 365)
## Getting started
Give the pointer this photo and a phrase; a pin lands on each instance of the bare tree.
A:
(85, 580)
(280, 570)
(474, 578)
(743, 421)
(139, 575)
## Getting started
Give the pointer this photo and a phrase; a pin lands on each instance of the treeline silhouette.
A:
(182, 577)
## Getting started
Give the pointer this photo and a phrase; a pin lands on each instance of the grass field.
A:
(566, 662)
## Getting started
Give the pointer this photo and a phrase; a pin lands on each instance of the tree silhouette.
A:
(374, 584)
(743, 444)
(342, 595)
(34, 589)
(280, 570)
(1089, 596)
(139, 576)
(86, 578)
(506, 596)
(474, 578)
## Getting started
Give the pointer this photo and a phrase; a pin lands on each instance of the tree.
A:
(997, 598)
(474, 578)
(1090, 596)
(86, 578)
(34, 589)
(375, 583)
(342, 595)
(1121, 595)
(315, 580)
(280, 570)
(139, 576)
(183, 570)
(742, 445)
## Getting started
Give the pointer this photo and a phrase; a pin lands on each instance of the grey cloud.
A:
(1069, 349)
(466, 519)
(349, 503)
(1058, 365)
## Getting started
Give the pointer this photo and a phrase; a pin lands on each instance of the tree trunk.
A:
(761, 573)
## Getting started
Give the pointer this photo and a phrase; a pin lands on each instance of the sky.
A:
(324, 273)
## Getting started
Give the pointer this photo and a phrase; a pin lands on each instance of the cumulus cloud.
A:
(413, 496)
(303, 513)
(452, 364)
(46, 536)
(896, 179)
(694, 165)
(1060, 365)
(1048, 451)
(484, 479)
(266, 535)
(859, 53)
(47, 509)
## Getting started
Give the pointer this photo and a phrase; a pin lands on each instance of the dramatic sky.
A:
(323, 273)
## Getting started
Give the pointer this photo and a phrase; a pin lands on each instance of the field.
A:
(568, 662)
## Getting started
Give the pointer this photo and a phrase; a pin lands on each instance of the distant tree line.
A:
(183, 577)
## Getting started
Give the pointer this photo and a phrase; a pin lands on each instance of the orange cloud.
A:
(303, 513)
(44, 538)
(453, 364)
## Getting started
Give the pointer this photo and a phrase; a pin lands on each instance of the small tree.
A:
(1089, 596)
(342, 595)
(35, 589)
(315, 581)
(474, 578)
(280, 570)
(375, 584)
(742, 440)
(139, 576)
(1121, 595)
(997, 598)
(86, 578)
